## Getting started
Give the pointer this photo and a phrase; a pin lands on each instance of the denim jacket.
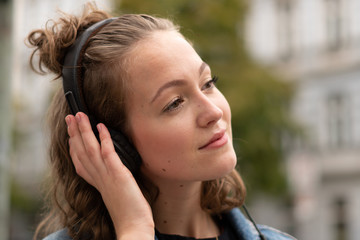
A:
(244, 229)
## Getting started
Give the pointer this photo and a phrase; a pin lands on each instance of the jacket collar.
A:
(243, 228)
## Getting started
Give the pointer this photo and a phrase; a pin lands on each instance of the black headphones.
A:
(73, 74)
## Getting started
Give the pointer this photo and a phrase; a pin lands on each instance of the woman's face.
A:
(178, 120)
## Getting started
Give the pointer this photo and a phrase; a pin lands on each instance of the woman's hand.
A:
(101, 167)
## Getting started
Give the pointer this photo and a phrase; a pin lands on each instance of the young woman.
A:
(137, 75)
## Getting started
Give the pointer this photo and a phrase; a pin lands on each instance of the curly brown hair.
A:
(72, 202)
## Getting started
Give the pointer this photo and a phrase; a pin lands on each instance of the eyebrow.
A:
(177, 82)
(202, 67)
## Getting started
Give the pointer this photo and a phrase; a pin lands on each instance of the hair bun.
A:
(52, 42)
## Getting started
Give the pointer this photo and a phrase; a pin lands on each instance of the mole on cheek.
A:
(165, 222)
(164, 170)
(181, 185)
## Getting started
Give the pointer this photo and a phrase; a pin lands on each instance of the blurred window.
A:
(340, 217)
(285, 28)
(338, 117)
(333, 24)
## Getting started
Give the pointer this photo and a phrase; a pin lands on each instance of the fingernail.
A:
(99, 127)
(78, 117)
(68, 120)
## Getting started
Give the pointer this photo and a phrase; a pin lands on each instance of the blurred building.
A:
(5, 116)
(31, 91)
(316, 44)
(31, 94)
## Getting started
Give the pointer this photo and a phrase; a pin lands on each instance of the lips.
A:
(219, 139)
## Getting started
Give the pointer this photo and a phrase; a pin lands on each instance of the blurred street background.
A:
(290, 70)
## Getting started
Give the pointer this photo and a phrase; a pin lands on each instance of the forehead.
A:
(162, 53)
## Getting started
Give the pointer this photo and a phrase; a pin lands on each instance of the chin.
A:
(225, 166)
(230, 160)
(230, 165)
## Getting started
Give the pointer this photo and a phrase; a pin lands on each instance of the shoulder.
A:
(59, 235)
(272, 233)
(245, 229)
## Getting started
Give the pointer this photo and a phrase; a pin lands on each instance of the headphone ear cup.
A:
(123, 147)
(126, 151)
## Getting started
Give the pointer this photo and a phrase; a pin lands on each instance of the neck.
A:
(177, 211)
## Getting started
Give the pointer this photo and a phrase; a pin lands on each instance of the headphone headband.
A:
(72, 71)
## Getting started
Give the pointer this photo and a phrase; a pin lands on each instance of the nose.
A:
(209, 112)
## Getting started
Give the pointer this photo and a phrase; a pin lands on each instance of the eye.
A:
(210, 84)
(174, 104)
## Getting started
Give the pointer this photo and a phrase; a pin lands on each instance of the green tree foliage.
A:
(259, 100)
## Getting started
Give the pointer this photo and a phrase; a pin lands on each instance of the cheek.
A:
(164, 153)
(161, 144)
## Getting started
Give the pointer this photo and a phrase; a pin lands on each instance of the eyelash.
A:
(210, 84)
(176, 103)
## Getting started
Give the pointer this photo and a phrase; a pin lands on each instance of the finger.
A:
(78, 151)
(111, 158)
(90, 142)
(80, 169)
(72, 131)
(75, 142)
